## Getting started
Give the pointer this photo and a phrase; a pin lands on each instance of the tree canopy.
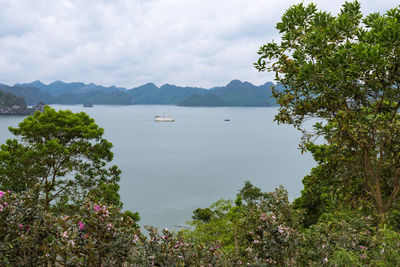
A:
(345, 71)
(62, 151)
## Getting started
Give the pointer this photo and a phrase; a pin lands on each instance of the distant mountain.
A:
(239, 93)
(59, 92)
(167, 94)
(59, 88)
(31, 95)
(209, 100)
(235, 93)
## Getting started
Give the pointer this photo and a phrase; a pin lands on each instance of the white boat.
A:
(163, 119)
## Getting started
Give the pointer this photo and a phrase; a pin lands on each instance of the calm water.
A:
(170, 169)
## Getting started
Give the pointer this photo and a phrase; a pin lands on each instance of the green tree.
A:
(65, 153)
(326, 189)
(344, 70)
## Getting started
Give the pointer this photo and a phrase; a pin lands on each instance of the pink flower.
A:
(362, 247)
(325, 260)
(264, 217)
(363, 256)
(135, 239)
(96, 207)
(256, 241)
(65, 234)
(81, 225)
(109, 226)
(1, 193)
(20, 226)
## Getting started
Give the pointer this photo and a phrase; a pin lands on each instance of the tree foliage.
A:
(63, 151)
(345, 71)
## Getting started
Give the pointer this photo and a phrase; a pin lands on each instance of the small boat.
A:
(87, 105)
(163, 119)
(227, 120)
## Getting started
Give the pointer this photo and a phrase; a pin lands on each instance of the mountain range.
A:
(236, 93)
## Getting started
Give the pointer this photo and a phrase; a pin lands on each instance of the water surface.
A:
(170, 169)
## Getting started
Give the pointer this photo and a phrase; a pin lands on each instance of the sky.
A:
(128, 43)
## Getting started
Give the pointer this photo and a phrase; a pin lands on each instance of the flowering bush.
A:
(261, 229)
(93, 235)
(171, 249)
(265, 231)
(350, 239)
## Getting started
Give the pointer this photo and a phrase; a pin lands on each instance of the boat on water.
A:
(87, 105)
(227, 120)
(163, 119)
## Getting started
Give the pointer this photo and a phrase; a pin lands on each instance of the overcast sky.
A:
(131, 42)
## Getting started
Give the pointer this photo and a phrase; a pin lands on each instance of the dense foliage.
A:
(265, 229)
(345, 71)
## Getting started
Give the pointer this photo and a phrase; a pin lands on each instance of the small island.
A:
(15, 105)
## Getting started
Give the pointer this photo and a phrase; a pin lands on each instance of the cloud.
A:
(131, 42)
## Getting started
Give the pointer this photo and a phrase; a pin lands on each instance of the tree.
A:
(65, 153)
(326, 189)
(344, 70)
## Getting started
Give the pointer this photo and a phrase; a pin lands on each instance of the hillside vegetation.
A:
(10, 100)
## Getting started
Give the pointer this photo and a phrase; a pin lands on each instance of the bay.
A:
(170, 169)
